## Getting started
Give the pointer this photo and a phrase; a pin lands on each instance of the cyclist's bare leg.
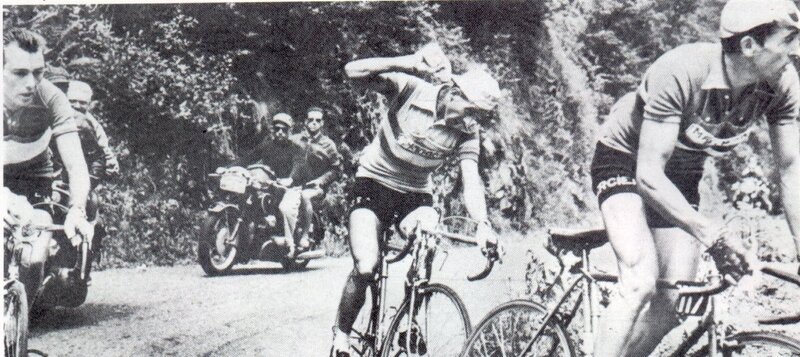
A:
(678, 258)
(634, 246)
(364, 228)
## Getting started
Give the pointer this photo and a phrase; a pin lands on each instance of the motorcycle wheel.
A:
(15, 320)
(216, 229)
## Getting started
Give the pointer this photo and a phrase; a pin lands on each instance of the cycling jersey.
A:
(695, 94)
(411, 141)
(27, 133)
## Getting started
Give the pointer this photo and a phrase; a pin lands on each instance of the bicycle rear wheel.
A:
(761, 343)
(438, 328)
(509, 329)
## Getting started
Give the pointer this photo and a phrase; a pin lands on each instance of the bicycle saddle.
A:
(578, 239)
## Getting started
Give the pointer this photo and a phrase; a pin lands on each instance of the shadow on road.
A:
(68, 318)
(264, 271)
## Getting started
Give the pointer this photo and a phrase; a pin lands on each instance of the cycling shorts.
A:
(388, 205)
(614, 172)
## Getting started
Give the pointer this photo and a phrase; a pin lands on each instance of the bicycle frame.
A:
(591, 311)
(375, 332)
(423, 246)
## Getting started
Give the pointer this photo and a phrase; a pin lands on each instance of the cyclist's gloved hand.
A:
(77, 226)
(19, 212)
(730, 258)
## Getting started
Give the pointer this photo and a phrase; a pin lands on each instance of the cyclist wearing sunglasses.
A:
(320, 167)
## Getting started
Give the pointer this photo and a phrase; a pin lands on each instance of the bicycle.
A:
(527, 328)
(439, 323)
(15, 297)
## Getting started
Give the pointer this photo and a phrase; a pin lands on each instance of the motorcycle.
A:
(63, 278)
(246, 224)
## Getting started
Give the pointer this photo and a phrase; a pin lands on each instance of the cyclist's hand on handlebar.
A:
(730, 257)
(487, 238)
(77, 226)
(19, 212)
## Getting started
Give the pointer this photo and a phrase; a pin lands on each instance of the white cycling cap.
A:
(479, 87)
(742, 15)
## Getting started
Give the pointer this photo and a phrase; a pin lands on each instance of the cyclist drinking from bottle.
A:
(426, 124)
(696, 100)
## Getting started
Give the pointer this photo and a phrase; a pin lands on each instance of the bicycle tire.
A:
(15, 320)
(480, 344)
(756, 343)
(449, 334)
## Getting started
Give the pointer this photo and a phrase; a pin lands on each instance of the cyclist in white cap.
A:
(426, 124)
(696, 100)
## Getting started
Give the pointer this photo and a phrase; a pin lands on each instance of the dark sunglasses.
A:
(314, 120)
(280, 128)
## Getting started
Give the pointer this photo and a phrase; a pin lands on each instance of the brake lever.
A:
(492, 255)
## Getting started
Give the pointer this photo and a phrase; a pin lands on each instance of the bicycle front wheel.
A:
(509, 330)
(439, 326)
(15, 319)
(760, 344)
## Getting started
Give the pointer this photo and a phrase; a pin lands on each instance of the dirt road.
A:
(259, 310)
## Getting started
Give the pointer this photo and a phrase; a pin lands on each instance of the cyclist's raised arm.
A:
(387, 75)
(786, 143)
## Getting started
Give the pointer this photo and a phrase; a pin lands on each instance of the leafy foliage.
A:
(185, 88)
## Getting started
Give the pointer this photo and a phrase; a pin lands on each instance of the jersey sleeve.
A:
(784, 109)
(665, 90)
(58, 108)
(399, 83)
(470, 149)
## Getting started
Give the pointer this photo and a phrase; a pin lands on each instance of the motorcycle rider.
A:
(34, 112)
(101, 159)
(321, 164)
(283, 155)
